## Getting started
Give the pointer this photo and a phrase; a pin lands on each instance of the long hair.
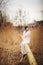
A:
(25, 27)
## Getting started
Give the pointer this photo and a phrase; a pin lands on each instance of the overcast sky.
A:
(33, 7)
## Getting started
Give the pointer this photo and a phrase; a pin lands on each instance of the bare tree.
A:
(20, 17)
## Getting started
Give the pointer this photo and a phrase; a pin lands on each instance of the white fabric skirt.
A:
(23, 50)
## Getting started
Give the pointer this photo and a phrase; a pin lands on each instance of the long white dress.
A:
(26, 40)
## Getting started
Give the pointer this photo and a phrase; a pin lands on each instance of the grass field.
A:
(10, 45)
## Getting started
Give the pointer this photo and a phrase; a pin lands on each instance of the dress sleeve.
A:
(23, 36)
(27, 34)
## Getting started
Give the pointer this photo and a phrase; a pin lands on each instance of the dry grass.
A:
(10, 45)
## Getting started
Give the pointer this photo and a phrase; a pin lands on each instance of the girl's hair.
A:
(25, 27)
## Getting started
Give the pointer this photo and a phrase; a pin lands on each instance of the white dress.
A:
(26, 40)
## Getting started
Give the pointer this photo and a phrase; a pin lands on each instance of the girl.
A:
(26, 40)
